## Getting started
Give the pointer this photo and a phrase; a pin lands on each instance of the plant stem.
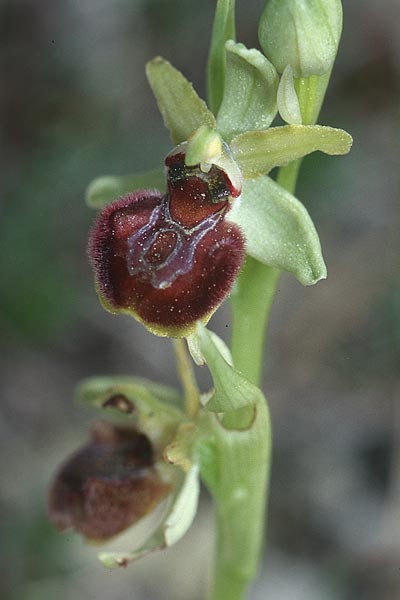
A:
(287, 176)
(251, 304)
(227, 583)
(223, 30)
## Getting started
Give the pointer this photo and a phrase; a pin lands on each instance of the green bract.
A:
(234, 457)
(231, 390)
(249, 100)
(237, 477)
(279, 230)
(304, 34)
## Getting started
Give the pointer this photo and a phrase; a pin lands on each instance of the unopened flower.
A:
(170, 260)
(304, 34)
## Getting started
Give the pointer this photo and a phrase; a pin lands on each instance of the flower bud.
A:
(304, 34)
(170, 260)
(107, 485)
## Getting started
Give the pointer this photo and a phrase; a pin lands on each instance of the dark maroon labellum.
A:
(170, 260)
(107, 485)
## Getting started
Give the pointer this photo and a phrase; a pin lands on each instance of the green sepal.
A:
(257, 152)
(279, 231)
(231, 391)
(152, 407)
(287, 100)
(223, 30)
(182, 109)
(103, 190)
(178, 517)
(249, 101)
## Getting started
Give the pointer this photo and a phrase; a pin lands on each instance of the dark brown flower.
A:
(169, 260)
(107, 485)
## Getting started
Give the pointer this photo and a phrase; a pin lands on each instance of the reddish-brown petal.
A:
(107, 485)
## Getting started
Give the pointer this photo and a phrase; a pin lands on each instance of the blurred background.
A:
(74, 104)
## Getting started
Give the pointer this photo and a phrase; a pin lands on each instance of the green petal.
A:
(182, 109)
(177, 520)
(279, 231)
(103, 190)
(257, 152)
(223, 30)
(232, 391)
(288, 102)
(153, 407)
(251, 85)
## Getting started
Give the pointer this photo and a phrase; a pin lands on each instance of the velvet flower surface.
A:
(107, 485)
(170, 260)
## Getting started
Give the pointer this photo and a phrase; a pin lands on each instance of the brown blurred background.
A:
(74, 104)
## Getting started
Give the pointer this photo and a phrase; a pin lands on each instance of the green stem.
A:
(287, 176)
(227, 583)
(187, 379)
(251, 304)
(223, 30)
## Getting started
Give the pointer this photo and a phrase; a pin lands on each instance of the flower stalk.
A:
(187, 378)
